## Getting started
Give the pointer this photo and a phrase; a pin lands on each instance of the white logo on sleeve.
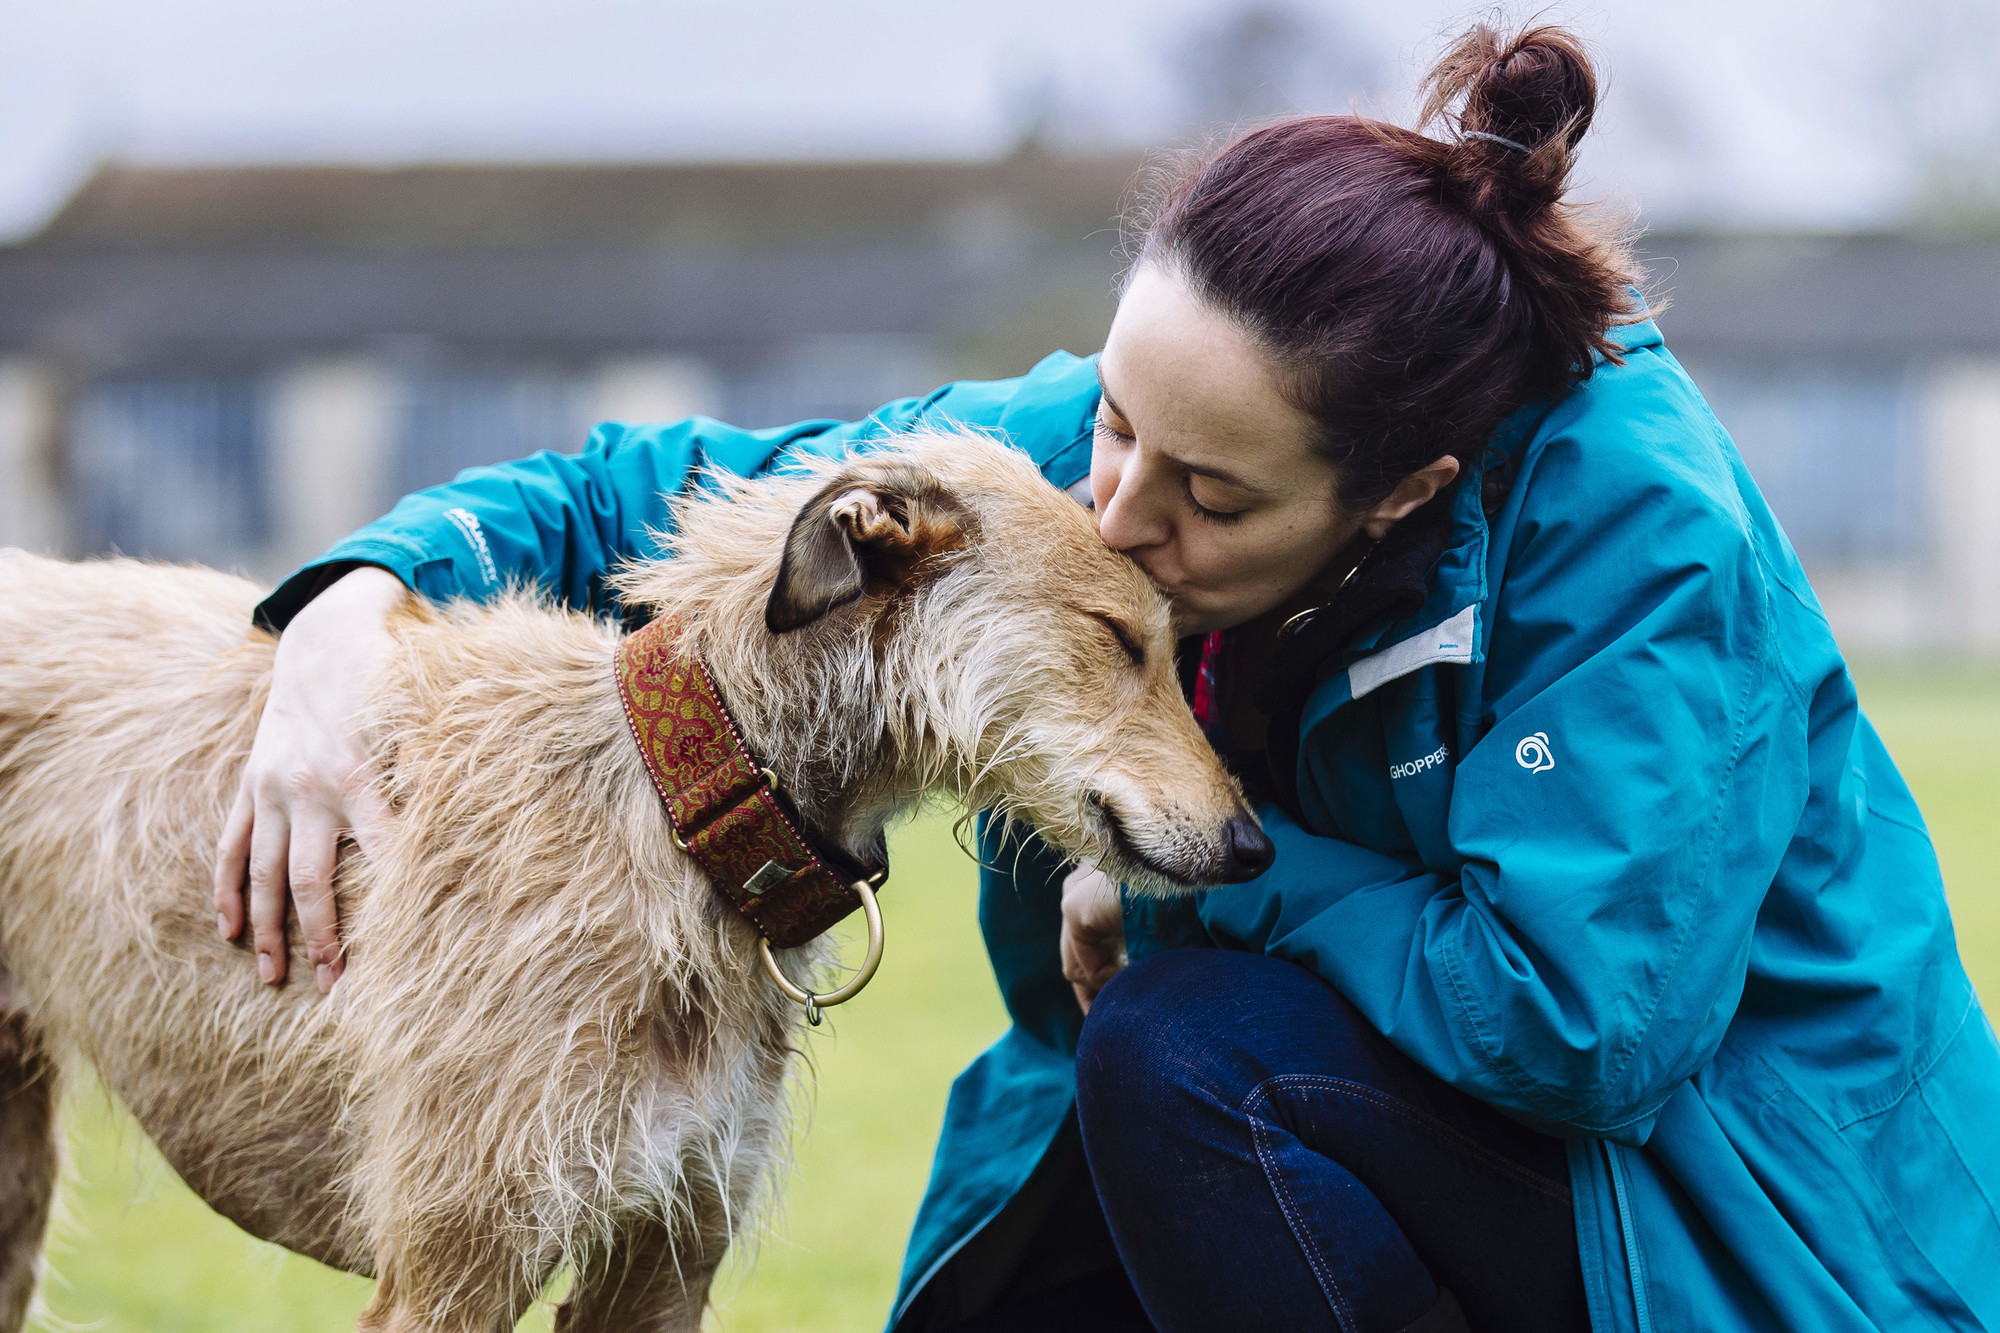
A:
(1533, 753)
(467, 523)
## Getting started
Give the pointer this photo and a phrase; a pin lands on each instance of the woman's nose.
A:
(1129, 521)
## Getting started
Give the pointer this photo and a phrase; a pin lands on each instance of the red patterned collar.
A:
(725, 809)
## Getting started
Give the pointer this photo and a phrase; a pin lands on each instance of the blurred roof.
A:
(1867, 295)
(469, 206)
(255, 264)
(205, 265)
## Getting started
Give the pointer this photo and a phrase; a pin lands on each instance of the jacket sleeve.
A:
(1639, 770)
(563, 521)
(1020, 918)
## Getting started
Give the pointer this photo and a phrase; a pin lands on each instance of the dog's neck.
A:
(807, 702)
(817, 726)
(822, 706)
(657, 663)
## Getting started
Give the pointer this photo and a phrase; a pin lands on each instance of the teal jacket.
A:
(1599, 836)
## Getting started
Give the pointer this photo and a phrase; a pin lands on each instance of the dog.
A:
(555, 1044)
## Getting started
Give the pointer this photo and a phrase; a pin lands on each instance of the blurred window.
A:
(1836, 449)
(452, 420)
(175, 469)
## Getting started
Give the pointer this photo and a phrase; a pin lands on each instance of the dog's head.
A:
(941, 595)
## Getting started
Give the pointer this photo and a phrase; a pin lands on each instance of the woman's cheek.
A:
(1103, 485)
(1104, 473)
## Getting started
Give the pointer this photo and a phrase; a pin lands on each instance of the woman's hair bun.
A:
(1534, 90)
(1415, 287)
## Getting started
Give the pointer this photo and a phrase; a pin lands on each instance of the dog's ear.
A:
(867, 531)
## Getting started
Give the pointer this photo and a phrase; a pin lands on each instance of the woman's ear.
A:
(867, 531)
(1411, 494)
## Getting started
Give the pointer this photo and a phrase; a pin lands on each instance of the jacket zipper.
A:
(1635, 1269)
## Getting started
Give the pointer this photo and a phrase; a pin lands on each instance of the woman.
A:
(1604, 978)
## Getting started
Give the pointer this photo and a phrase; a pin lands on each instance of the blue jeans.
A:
(1266, 1160)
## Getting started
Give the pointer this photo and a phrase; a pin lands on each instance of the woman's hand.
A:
(1093, 931)
(307, 782)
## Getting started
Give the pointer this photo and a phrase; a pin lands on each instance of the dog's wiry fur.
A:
(554, 1042)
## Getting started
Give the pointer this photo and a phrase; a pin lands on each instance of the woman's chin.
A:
(1190, 621)
(1195, 616)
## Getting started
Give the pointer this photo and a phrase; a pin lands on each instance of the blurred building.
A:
(1860, 377)
(238, 365)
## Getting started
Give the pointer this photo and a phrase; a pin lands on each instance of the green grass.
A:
(133, 1250)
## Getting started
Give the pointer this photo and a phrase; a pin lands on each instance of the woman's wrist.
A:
(363, 588)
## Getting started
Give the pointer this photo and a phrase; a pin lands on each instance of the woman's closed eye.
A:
(1111, 428)
(1204, 512)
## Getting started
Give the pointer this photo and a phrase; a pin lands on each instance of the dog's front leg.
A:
(399, 1311)
(652, 1281)
(451, 1280)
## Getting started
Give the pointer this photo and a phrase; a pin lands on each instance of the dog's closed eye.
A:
(1127, 640)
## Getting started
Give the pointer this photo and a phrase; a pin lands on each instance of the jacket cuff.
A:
(289, 598)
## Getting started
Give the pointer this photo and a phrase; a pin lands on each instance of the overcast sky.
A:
(1762, 112)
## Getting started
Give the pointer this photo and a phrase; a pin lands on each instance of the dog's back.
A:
(529, 1000)
(129, 696)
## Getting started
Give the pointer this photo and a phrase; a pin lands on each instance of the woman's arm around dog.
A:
(306, 785)
(558, 521)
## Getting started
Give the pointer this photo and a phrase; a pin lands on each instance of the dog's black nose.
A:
(1246, 852)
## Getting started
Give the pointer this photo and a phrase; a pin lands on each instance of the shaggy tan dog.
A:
(555, 1044)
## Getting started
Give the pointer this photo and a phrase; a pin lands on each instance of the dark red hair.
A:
(1416, 289)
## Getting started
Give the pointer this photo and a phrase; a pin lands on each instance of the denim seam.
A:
(1295, 1218)
(1513, 1170)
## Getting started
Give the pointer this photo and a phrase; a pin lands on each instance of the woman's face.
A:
(1205, 474)
(1202, 471)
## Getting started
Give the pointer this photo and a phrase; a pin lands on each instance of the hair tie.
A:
(1504, 142)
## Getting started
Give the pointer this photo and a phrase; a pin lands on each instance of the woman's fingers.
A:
(270, 857)
(314, 850)
(1093, 933)
(305, 783)
(1090, 957)
(367, 814)
(1087, 968)
(290, 849)
(232, 858)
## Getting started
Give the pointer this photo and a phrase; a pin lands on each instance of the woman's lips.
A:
(1167, 588)
(1160, 585)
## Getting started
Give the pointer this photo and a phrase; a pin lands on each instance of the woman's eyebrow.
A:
(1105, 394)
(1222, 475)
